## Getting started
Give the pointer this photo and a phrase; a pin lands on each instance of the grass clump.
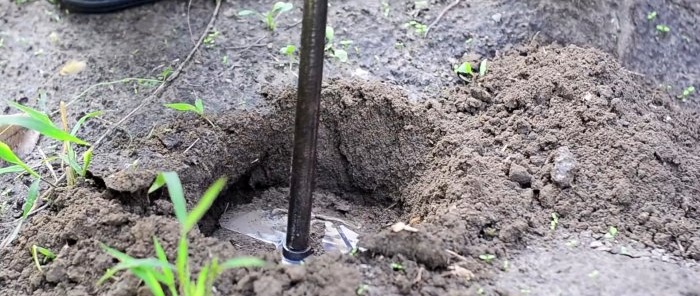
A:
(270, 17)
(158, 273)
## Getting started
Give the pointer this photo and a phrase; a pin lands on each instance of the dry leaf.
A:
(414, 221)
(72, 67)
(400, 226)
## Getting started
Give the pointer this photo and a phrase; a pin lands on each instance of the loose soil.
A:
(477, 167)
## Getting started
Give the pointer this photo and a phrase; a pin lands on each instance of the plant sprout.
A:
(197, 108)
(338, 53)
(483, 67)
(210, 39)
(397, 267)
(46, 253)
(158, 272)
(555, 221)
(651, 15)
(687, 92)
(289, 51)
(463, 70)
(270, 17)
(488, 258)
(420, 28)
(663, 29)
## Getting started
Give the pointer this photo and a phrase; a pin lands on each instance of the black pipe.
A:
(313, 35)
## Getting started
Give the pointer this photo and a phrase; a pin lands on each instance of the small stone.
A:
(520, 175)
(596, 244)
(564, 167)
(497, 17)
(296, 273)
(480, 94)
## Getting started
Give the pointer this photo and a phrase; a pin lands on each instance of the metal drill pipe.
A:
(303, 177)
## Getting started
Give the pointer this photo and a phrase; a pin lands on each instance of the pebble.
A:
(564, 167)
(497, 17)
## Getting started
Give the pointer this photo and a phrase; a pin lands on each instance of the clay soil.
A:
(577, 117)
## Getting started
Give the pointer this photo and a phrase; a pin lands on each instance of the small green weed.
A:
(197, 108)
(340, 54)
(167, 71)
(48, 256)
(663, 29)
(464, 71)
(270, 17)
(555, 222)
(612, 233)
(289, 51)
(687, 92)
(158, 272)
(210, 40)
(397, 267)
(420, 28)
(488, 258)
(651, 15)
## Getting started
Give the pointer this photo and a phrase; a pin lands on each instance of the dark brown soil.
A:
(478, 168)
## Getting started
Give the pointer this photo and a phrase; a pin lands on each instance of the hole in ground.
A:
(370, 146)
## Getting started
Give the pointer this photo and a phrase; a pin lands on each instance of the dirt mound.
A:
(480, 169)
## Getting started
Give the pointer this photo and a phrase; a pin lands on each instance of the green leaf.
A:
(281, 7)
(177, 195)
(246, 12)
(157, 184)
(651, 15)
(33, 113)
(7, 155)
(169, 277)
(330, 36)
(288, 50)
(48, 256)
(182, 107)
(201, 283)
(204, 204)
(183, 271)
(87, 159)
(149, 279)
(341, 55)
(487, 257)
(199, 106)
(11, 169)
(242, 262)
(465, 68)
(32, 195)
(45, 128)
(82, 120)
(483, 68)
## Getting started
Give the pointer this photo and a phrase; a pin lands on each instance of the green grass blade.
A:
(33, 113)
(246, 12)
(47, 129)
(82, 120)
(7, 155)
(169, 278)
(116, 253)
(87, 159)
(11, 169)
(157, 184)
(204, 204)
(150, 280)
(183, 270)
(242, 262)
(32, 195)
(177, 195)
(48, 255)
(182, 107)
(108, 275)
(200, 288)
(199, 106)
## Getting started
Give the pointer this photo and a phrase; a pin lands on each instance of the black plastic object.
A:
(302, 183)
